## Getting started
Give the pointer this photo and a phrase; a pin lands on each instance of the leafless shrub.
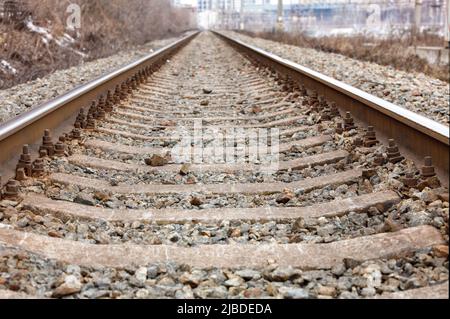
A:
(107, 26)
(392, 51)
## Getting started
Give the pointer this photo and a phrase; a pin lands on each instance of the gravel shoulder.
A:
(348, 280)
(26, 96)
(414, 91)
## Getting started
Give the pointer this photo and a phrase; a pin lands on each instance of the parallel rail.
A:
(60, 112)
(416, 135)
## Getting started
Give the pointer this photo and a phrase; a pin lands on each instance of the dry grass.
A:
(392, 52)
(107, 27)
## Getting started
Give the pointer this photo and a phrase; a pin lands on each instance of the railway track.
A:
(138, 200)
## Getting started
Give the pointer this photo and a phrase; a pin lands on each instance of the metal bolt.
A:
(76, 133)
(358, 141)
(334, 110)
(47, 143)
(109, 106)
(38, 167)
(60, 149)
(81, 119)
(101, 102)
(409, 180)
(143, 77)
(92, 108)
(428, 169)
(378, 160)
(11, 189)
(339, 128)
(116, 95)
(393, 153)
(370, 138)
(314, 100)
(25, 161)
(326, 114)
(21, 175)
(97, 114)
(43, 153)
(90, 123)
(123, 91)
(349, 123)
(109, 96)
(101, 114)
(81, 114)
(109, 102)
(134, 84)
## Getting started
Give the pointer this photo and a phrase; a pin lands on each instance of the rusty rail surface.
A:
(60, 112)
(416, 135)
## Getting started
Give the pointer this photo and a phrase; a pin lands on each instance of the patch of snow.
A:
(68, 38)
(47, 37)
(7, 67)
(83, 55)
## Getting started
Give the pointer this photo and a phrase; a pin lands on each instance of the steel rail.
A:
(28, 127)
(416, 135)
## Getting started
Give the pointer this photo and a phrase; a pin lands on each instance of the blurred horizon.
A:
(378, 18)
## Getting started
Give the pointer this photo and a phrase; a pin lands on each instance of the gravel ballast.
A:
(40, 277)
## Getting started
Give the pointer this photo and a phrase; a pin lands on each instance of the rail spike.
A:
(393, 152)
(349, 123)
(38, 167)
(47, 144)
(428, 168)
(11, 190)
(25, 161)
(370, 138)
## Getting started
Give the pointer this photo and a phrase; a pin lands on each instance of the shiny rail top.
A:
(58, 115)
(417, 121)
(16, 124)
(416, 135)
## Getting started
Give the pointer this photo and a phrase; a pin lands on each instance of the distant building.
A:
(220, 5)
(204, 5)
(326, 16)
